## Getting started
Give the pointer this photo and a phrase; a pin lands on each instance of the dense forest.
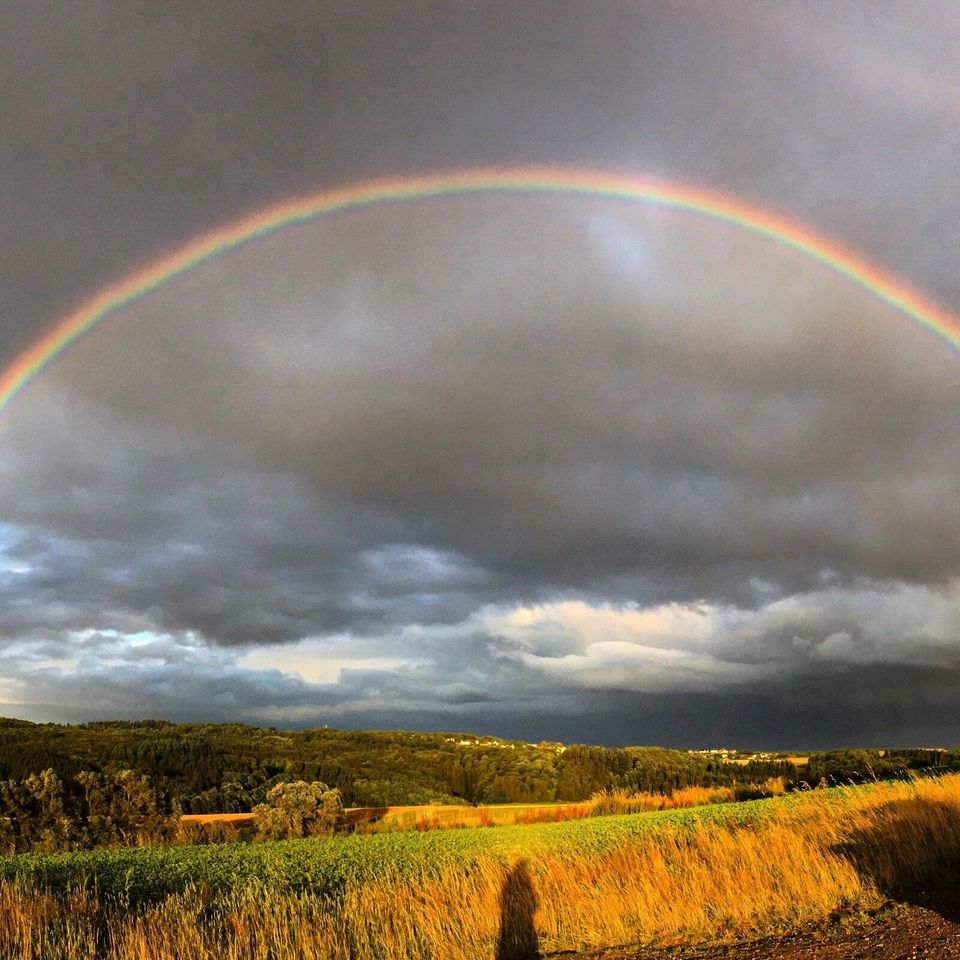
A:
(222, 768)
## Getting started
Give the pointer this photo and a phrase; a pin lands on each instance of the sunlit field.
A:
(411, 817)
(665, 877)
(208, 827)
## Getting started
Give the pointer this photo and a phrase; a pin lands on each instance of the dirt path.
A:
(927, 929)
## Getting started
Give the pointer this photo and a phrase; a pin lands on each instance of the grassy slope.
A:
(323, 865)
(678, 876)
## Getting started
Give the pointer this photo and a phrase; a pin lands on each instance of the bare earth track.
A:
(925, 929)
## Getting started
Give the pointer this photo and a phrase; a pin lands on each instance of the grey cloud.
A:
(261, 455)
(558, 428)
(122, 141)
(895, 686)
(358, 433)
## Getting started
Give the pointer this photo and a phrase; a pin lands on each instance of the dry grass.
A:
(813, 854)
(460, 818)
(620, 801)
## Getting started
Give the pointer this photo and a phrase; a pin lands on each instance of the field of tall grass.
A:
(665, 877)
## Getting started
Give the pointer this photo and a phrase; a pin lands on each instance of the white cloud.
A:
(501, 660)
(689, 646)
(623, 247)
(315, 661)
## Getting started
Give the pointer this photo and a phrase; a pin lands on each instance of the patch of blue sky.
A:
(8, 536)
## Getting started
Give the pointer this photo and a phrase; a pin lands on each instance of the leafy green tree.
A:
(122, 808)
(299, 809)
(16, 828)
(33, 814)
(52, 828)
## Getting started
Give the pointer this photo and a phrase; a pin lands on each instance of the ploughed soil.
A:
(925, 928)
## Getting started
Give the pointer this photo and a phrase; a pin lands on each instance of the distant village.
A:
(504, 745)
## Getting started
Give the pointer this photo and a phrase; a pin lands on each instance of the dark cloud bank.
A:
(550, 468)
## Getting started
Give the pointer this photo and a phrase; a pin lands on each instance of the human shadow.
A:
(517, 939)
(911, 854)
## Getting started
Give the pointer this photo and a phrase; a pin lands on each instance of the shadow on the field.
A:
(911, 854)
(518, 939)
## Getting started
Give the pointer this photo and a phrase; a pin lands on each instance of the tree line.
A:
(42, 813)
(230, 768)
(858, 766)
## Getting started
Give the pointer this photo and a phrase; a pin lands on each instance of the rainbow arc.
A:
(529, 180)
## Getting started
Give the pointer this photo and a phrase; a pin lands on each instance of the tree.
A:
(53, 827)
(122, 808)
(33, 814)
(299, 809)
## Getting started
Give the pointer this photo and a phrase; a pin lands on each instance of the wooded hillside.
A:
(217, 768)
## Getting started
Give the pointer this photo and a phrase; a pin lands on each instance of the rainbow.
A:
(527, 180)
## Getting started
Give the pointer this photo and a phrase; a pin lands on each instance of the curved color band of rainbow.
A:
(528, 180)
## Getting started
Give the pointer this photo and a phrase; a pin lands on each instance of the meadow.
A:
(719, 871)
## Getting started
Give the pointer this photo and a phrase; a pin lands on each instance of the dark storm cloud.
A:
(495, 462)
(556, 420)
(370, 466)
(128, 126)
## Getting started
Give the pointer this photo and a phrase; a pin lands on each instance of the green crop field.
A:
(324, 865)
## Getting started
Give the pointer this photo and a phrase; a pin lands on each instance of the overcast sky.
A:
(546, 467)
